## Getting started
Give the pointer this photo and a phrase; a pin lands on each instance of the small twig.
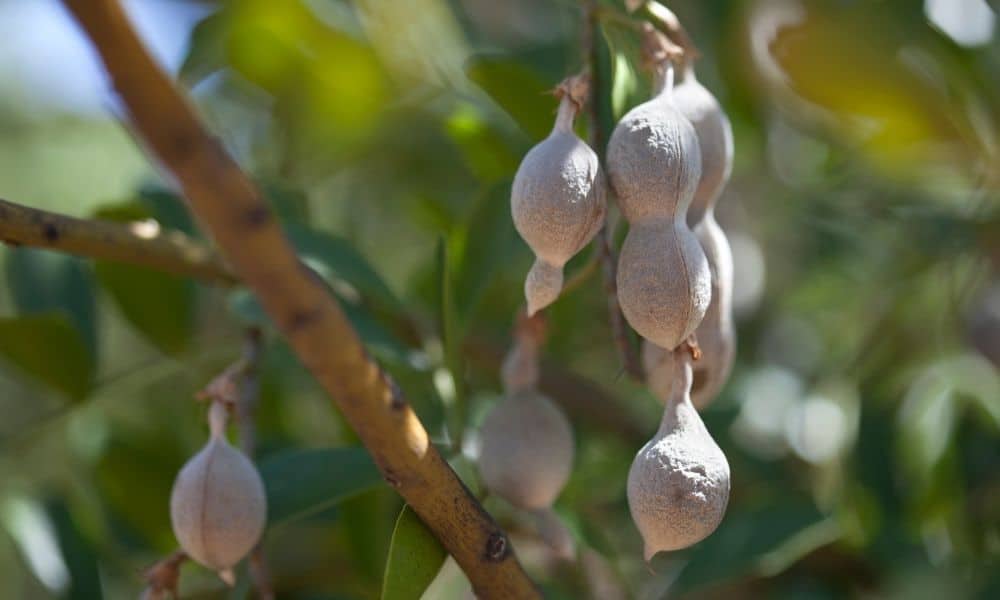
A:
(162, 578)
(604, 240)
(142, 244)
(666, 21)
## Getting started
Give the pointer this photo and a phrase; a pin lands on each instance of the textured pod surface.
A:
(558, 201)
(654, 162)
(716, 334)
(526, 450)
(654, 165)
(218, 508)
(664, 282)
(715, 140)
(678, 486)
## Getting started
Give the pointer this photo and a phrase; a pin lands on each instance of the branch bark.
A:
(169, 251)
(230, 207)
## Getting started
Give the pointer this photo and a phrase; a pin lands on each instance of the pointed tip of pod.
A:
(542, 286)
(228, 576)
(648, 552)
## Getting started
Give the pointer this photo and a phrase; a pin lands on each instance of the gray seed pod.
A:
(217, 507)
(678, 486)
(558, 202)
(715, 140)
(526, 450)
(654, 165)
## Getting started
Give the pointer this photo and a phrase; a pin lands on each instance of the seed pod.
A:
(716, 334)
(678, 486)
(558, 199)
(526, 450)
(218, 508)
(654, 165)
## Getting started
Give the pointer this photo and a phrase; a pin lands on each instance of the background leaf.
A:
(50, 349)
(415, 557)
(300, 483)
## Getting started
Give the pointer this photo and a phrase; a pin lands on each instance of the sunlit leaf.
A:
(516, 89)
(415, 557)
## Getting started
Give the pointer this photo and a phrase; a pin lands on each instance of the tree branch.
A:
(170, 251)
(230, 207)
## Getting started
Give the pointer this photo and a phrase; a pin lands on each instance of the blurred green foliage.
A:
(862, 423)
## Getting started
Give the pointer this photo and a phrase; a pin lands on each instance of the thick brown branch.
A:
(169, 251)
(230, 207)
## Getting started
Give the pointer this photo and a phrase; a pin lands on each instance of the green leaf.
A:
(43, 281)
(415, 557)
(300, 483)
(451, 338)
(206, 50)
(159, 305)
(518, 90)
(78, 554)
(343, 262)
(48, 348)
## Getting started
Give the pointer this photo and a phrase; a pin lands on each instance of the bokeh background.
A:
(862, 422)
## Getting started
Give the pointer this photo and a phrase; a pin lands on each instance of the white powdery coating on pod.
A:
(558, 202)
(654, 165)
(218, 507)
(526, 450)
(678, 486)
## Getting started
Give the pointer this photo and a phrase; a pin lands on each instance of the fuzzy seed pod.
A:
(678, 486)
(654, 165)
(526, 450)
(558, 200)
(218, 508)
(716, 334)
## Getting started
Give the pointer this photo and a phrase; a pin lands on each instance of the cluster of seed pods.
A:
(668, 160)
(217, 507)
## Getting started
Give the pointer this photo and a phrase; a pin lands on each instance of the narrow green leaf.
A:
(78, 554)
(48, 348)
(300, 483)
(518, 90)
(415, 557)
(159, 305)
(206, 50)
(344, 263)
(43, 281)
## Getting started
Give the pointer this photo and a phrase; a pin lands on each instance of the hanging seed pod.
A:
(526, 450)
(217, 507)
(654, 165)
(558, 199)
(678, 486)
(716, 333)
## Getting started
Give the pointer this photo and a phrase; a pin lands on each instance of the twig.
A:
(604, 240)
(136, 243)
(162, 578)
(666, 21)
(231, 208)
(246, 408)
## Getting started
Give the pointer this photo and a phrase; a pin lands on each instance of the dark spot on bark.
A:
(496, 547)
(50, 232)
(397, 402)
(257, 216)
(303, 318)
(390, 477)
